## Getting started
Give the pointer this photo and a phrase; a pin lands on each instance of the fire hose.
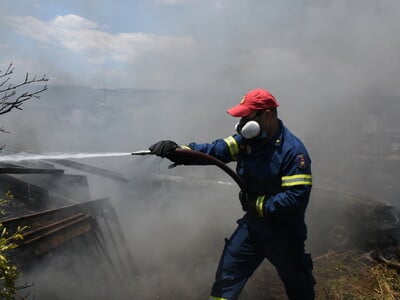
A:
(189, 157)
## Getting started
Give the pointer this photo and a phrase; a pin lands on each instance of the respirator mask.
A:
(250, 129)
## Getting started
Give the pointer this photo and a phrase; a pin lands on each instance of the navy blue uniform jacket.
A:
(277, 172)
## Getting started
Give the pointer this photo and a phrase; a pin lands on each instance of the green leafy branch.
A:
(9, 273)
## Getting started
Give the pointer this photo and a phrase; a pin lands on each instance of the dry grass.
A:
(343, 275)
(349, 275)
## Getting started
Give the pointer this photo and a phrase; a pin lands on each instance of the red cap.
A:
(257, 99)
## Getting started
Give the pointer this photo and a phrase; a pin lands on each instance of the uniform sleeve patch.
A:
(301, 161)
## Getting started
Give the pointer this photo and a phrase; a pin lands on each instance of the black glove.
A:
(163, 148)
(248, 202)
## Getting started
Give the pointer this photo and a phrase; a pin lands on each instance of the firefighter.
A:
(276, 168)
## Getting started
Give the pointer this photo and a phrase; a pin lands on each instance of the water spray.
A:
(21, 156)
(179, 156)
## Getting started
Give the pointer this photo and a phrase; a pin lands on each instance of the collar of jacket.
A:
(277, 139)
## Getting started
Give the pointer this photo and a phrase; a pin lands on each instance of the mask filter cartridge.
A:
(250, 130)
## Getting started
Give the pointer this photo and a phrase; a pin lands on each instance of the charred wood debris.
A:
(62, 219)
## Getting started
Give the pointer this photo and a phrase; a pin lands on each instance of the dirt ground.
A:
(342, 275)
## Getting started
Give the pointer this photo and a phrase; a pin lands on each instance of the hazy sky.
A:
(332, 46)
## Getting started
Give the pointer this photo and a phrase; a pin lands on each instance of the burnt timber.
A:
(91, 169)
(50, 229)
(59, 223)
(18, 170)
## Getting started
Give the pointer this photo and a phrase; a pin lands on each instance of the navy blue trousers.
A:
(247, 248)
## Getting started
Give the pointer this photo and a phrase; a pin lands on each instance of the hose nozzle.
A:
(142, 152)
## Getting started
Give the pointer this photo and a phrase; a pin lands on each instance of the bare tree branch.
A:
(9, 71)
(10, 97)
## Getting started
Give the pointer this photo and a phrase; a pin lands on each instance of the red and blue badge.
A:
(301, 161)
